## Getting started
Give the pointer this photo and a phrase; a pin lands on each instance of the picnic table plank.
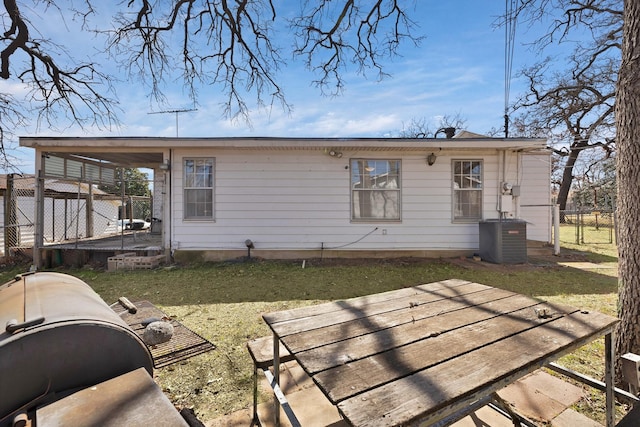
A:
(337, 354)
(361, 302)
(358, 308)
(429, 391)
(352, 378)
(413, 310)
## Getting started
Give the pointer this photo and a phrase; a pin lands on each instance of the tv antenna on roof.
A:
(177, 112)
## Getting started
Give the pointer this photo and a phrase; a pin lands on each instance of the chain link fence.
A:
(588, 226)
(18, 208)
(73, 211)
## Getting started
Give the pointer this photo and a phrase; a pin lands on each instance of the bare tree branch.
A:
(79, 92)
(573, 103)
(421, 128)
(331, 37)
(230, 43)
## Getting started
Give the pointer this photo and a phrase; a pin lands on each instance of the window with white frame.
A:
(467, 190)
(375, 190)
(198, 188)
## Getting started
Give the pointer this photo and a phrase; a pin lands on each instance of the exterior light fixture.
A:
(334, 153)
(431, 159)
(165, 166)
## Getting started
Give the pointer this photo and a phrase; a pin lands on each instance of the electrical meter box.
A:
(503, 241)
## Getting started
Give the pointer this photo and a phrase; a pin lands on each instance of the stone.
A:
(157, 333)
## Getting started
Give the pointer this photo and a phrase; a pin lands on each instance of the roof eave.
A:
(387, 144)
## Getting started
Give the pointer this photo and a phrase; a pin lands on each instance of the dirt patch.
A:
(533, 262)
(359, 262)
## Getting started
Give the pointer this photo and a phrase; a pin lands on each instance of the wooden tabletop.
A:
(424, 352)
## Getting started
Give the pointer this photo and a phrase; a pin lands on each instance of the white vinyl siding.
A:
(301, 200)
(535, 196)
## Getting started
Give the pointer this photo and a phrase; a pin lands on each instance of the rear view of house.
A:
(322, 197)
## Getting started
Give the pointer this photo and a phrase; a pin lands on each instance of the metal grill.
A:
(183, 344)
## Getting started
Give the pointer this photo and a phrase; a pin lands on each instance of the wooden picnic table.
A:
(425, 353)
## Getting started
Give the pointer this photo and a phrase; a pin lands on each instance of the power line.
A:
(177, 112)
(509, 43)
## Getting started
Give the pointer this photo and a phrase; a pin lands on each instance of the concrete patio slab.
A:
(484, 417)
(540, 396)
(554, 387)
(571, 418)
(310, 406)
(583, 265)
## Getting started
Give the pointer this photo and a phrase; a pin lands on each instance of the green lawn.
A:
(223, 302)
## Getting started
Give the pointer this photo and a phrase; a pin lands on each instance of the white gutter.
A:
(102, 144)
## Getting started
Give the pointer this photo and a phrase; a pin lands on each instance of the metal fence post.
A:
(38, 234)
(10, 231)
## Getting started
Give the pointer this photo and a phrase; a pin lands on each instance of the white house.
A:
(312, 197)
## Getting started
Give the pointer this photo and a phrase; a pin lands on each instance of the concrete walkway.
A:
(540, 397)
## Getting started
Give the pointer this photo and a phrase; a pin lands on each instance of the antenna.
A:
(177, 112)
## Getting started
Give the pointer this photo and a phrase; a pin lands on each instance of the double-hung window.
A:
(198, 188)
(375, 190)
(467, 190)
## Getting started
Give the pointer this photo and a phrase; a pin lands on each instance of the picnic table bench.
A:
(261, 352)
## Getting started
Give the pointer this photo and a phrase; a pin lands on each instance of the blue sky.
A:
(458, 69)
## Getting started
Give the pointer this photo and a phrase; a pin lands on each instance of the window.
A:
(198, 189)
(375, 190)
(467, 190)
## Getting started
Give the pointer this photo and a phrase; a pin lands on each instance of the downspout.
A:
(170, 227)
(516, 197)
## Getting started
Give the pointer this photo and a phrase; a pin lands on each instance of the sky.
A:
(458, 69)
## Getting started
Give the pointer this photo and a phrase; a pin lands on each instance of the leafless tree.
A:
(573, 104)
(229, 43)
(56, 87)
(421, 128)
(615, 26)
(331, 35)
(233, 43)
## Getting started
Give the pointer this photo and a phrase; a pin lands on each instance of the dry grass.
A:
(223, 302)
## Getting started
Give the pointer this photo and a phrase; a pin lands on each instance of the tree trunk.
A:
(567, 176)
(628, 170)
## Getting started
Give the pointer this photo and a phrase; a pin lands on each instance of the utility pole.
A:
(177, 112)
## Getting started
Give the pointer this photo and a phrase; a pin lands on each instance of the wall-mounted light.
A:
(165, 166)
(431, 159)
(334, 153)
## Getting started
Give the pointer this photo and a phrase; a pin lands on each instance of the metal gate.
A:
(588, 227)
